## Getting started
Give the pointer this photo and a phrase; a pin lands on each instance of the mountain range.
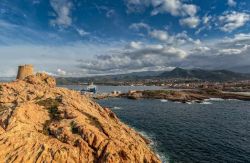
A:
(205, 75)
(177, 73)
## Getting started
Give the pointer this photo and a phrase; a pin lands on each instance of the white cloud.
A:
(206, 19)
(61, 72)
(135, 45)
(173, 7)
(139, 57)
(175, 51)
(237, 45)
(128, 57)
(159, 34)
(50, 58)
(139, 26)
(82, 32)
(233, 20)
(230, 51)
(164, 36)
(239, 37)
(206, 24)
(200, 49)
(190, 10)
(191, 22)
(231, 3)
(63, 13)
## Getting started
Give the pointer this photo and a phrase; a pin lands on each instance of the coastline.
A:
(183, 96)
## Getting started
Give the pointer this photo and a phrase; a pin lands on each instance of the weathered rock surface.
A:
(42, 123)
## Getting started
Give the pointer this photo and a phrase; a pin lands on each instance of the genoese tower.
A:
(24, 71)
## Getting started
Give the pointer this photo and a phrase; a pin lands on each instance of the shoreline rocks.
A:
(183, 96)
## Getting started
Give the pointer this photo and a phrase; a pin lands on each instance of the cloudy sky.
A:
(89, 37)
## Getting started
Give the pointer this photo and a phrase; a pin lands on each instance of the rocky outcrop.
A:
(184, 95)
(42, 123)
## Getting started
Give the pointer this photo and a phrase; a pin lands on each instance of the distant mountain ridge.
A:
(206, 75)
(177, 73)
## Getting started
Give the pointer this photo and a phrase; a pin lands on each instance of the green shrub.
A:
(54, 114)
(74, 128)
(46, 130)
(49, 103)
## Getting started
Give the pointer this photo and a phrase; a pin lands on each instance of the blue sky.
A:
(89, 37)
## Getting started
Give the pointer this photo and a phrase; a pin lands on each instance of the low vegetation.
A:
(49, 103)
(52, 106)
(157, 92)
(74, 128)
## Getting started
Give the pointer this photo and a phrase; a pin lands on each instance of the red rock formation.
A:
(42, 123)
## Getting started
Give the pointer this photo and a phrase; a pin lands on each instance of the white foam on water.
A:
(233, 100)
(190, 102)
(153, 145)
(116, 108)
(214, 99)
(206, 103)
(163, 100)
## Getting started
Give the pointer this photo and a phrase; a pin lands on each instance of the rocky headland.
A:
(42, 123)
(184, 95)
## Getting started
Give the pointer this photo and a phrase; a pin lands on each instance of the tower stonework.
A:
(24, 71)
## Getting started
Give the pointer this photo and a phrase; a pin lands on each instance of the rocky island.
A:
(42, 123)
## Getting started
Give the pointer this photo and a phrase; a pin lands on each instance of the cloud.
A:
(135, 45)
(82, 32)
(206, 22)
(50, 58)
(206, 19)
(63, 18)
(231, 3)
(225, 53)
(173, 7)
(230, 51)
(110, 13)
(163, 35)
(159, 34)
(138, 57)
(61, 72)
(191, 22)
(69, 60)
(62, 9)
(139, 26)
(233, 20)
(237, 45)
(200, 50)
(238, 38)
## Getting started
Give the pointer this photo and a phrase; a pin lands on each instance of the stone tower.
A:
(24, 71)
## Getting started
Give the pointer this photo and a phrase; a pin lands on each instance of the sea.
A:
(215, 131)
